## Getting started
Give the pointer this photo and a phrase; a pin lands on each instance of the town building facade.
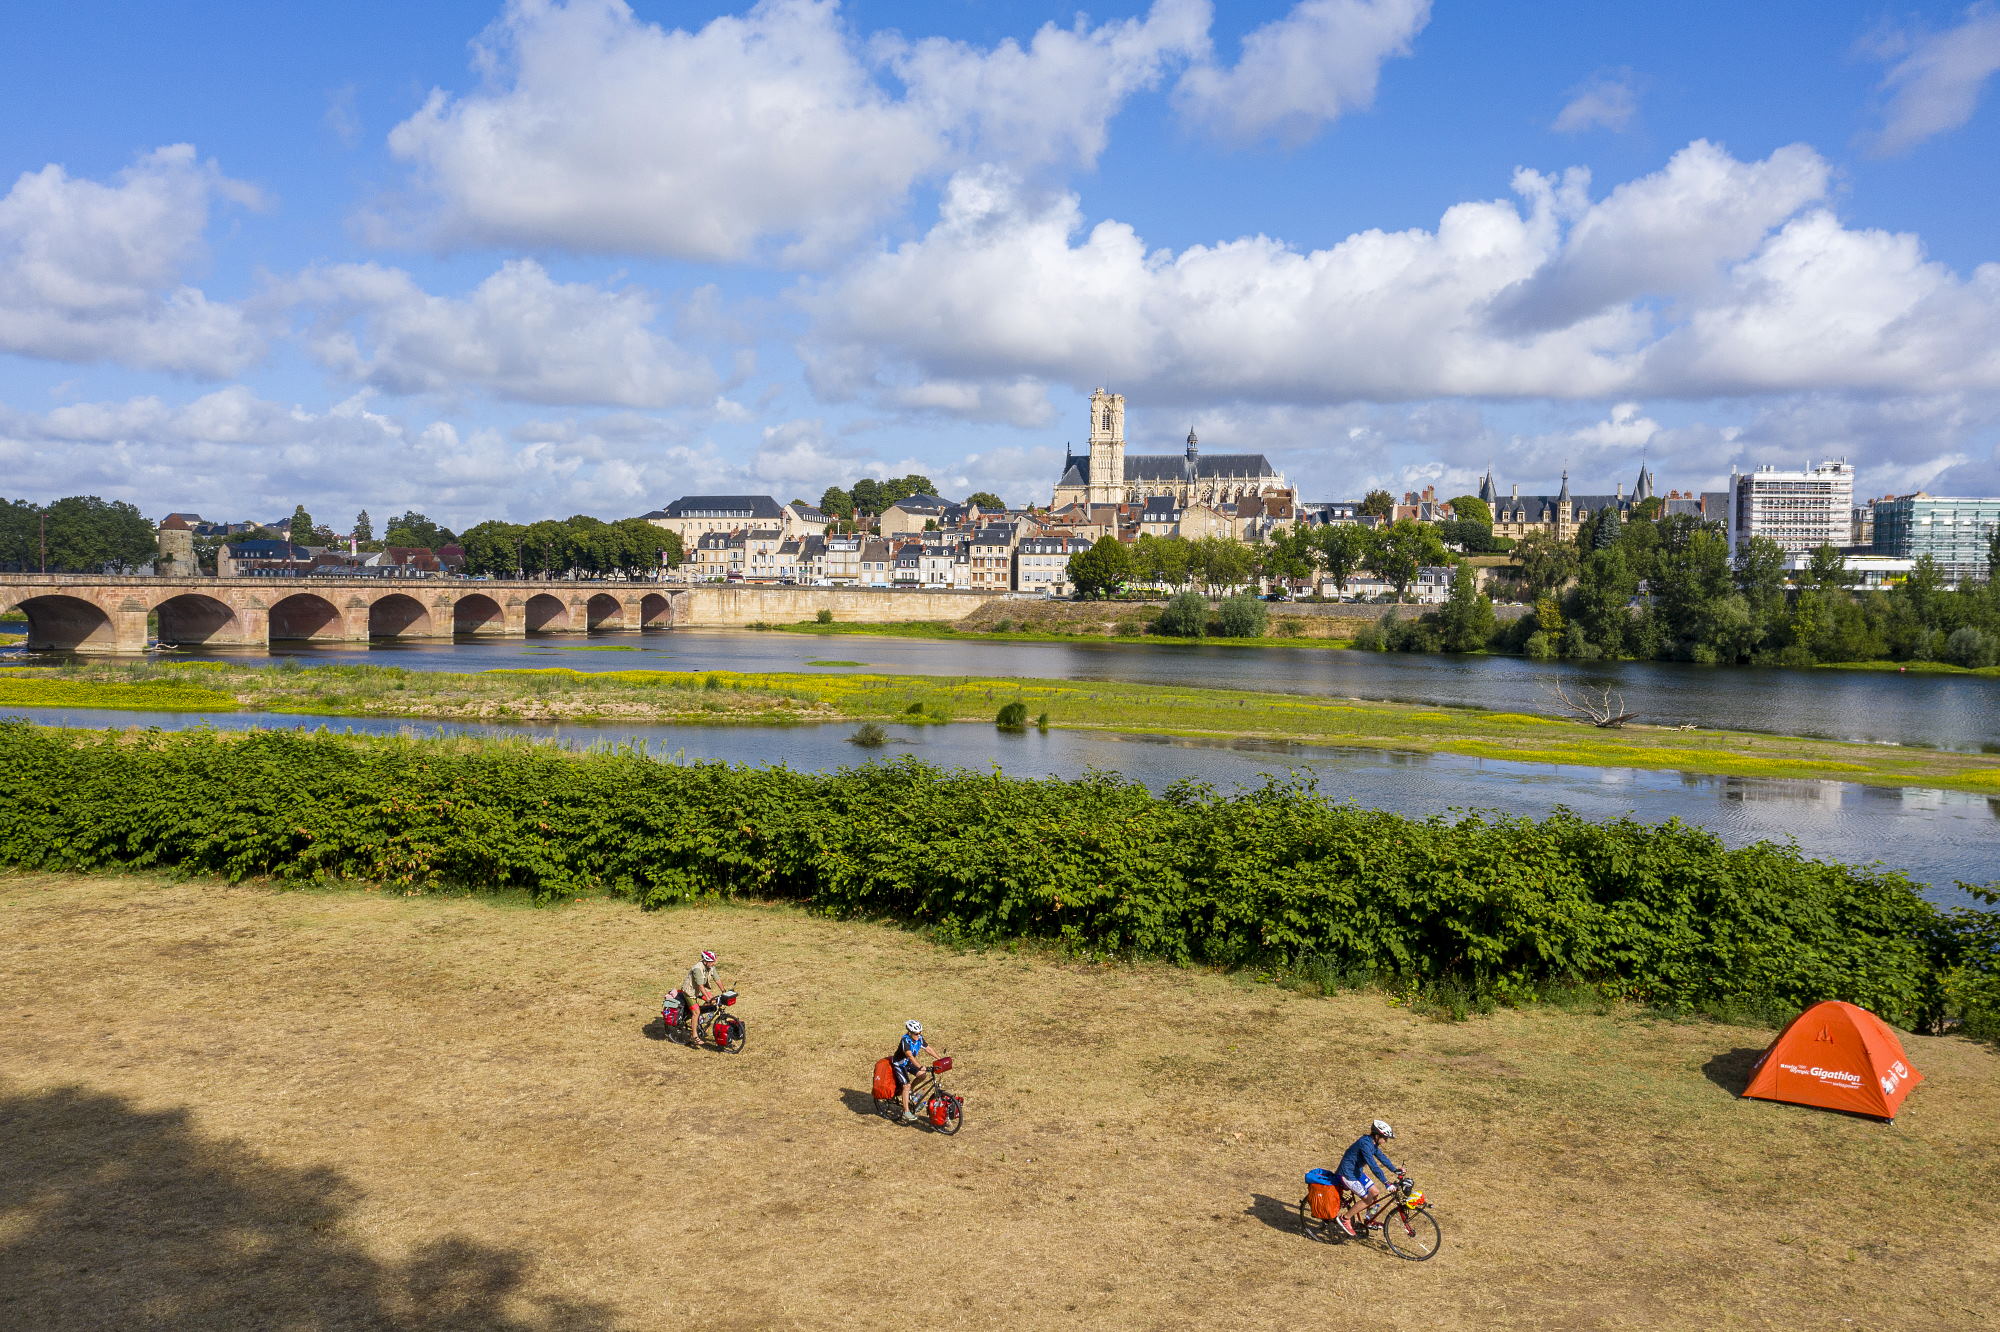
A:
(1954, 532)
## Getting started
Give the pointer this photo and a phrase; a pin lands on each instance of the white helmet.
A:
(914, 1027)
(1381, 1126)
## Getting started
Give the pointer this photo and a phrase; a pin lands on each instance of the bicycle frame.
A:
(1402, 1194)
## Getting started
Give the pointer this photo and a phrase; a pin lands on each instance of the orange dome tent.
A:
(1839, 1057)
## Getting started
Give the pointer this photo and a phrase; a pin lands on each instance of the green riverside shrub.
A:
(1241, 616)
(1277, 876)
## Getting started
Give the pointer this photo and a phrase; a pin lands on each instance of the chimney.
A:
(1620, 490)
(1517, 490)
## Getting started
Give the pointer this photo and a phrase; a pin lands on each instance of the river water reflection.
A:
(1936, 837)
(1933, 711)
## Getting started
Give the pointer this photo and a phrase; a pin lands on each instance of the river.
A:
(1936, 837)
(1957, 712)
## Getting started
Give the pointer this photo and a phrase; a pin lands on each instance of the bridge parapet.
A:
(90, 613)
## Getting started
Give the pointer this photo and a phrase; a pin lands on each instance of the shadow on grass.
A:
(860, 1102)
(113, 1216)
(1731, 1071)
(1275, 1213)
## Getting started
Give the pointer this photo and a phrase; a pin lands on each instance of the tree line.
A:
(76, 534)
(1342, 552)
(575, 547)
(1666, 587)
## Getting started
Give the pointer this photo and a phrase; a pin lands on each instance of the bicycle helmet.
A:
(708, 957)
(914, 1027)
(1381, 1126)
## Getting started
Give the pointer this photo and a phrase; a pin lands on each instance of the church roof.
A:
(1178, 467)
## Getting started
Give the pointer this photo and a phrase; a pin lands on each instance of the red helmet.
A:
(708, 957)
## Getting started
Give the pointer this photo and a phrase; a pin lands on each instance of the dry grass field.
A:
(233, 1108)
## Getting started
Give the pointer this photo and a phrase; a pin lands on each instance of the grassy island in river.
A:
(728, 697)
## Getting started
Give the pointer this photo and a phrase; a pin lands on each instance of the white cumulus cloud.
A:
(519, 335)
(595, 130)
(1709, 276)
(91, 271)
(1299, 73)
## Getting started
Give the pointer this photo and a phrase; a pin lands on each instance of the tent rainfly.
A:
(1839, 1057)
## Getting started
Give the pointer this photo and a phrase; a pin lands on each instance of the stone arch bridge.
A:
(99, 614)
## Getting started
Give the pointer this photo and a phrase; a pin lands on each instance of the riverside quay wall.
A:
(96, 614)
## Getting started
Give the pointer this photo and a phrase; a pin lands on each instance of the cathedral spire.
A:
(1487, 490)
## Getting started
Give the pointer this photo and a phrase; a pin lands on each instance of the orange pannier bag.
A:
(885, 1080)
(1322, 1195)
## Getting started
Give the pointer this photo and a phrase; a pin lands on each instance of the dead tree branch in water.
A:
(1599, 705)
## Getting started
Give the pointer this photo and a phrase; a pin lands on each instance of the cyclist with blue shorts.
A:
(1365, 1155)
(904, 1061)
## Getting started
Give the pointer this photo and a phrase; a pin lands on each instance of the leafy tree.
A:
(1343, 551)
(1219, 562)
(20, 535)
(1468, 534)
(1967, 646)
(1760, 577)
(88, 535)
(1549, 618)
(867, 496)
(493, 548)
(1546, 562)
(1399, 550)
(1242, 616)
(1471, 508)
(1290, 555)
(1466, 622)
(301, 526)
(1378, 503)
(1185, 616)
(1600, 607)
(1993, 558)
(1100, 570)
(1649, 509)
(1826, 570)
(836, 503)
(640, 549)
(916, 483)
(364, 530)
(413, 529)
(986, 500)
(1692, 592)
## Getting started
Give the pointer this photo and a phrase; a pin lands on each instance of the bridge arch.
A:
(71, 624)
(195, 617)
(398, 615)
(604, 611)
(546, 614)
(477, 613)
(310, 616)
(655, 611)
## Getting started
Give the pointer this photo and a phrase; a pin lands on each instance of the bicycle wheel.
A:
(954, 1116)
(1411, 1232)
(1315, 1229)
(891, 1110)
(730, 1034)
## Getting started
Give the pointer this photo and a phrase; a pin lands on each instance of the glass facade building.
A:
(1952, 531)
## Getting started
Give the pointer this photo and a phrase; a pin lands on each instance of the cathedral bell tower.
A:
(1107, 447)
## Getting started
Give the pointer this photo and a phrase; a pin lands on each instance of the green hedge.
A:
(1277, 876)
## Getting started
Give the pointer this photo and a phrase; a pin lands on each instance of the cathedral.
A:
(1108, 475)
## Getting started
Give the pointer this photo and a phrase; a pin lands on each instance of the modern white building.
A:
(1800, 510)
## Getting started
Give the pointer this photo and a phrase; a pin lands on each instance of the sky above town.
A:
(534, 258)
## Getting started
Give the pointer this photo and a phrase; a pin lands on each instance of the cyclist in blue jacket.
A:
(904, 1061)
(1365, 1155)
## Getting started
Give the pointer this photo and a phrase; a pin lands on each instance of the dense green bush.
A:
(1012, 716)
(1272, 877)
(1241, 616)
(1185, 616)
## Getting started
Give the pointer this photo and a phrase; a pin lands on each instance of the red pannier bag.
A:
(885, 1080)
(1322, 1195)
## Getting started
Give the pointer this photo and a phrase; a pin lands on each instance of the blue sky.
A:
(492, 259)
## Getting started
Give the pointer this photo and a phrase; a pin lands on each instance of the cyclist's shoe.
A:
(1345, 1224)
(909, 1116)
